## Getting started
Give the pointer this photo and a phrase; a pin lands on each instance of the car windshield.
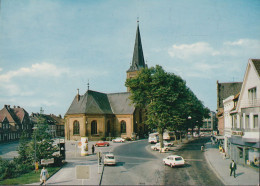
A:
(178, 159)
(110, 157)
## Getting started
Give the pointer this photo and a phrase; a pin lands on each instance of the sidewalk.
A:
(244, 175)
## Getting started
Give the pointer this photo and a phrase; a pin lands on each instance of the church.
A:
(98, 115)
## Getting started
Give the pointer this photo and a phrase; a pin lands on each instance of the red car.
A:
(102, 144)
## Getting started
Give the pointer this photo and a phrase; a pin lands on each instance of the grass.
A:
(27, 178)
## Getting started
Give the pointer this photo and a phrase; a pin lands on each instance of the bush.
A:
(103, 138)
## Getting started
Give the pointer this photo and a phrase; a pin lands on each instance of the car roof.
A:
(110, 154)
(174, 156)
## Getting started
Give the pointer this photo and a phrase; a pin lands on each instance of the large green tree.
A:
(162, 95)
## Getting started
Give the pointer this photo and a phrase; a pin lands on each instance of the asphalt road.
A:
(137, 165)
(196, 171)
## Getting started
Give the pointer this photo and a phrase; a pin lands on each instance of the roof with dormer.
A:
(138, 56)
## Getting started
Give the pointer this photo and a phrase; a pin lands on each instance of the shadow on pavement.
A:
(238, 174)
(118, 164)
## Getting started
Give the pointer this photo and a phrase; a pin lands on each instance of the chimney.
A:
(78, 95)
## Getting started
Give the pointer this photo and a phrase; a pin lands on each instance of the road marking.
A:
(135, 158)
(193, 160)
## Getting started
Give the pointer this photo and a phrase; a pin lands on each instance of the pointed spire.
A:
(138, 56)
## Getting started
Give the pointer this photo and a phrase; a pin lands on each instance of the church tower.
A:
(138, 57)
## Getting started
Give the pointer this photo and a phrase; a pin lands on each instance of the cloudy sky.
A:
(49, 48)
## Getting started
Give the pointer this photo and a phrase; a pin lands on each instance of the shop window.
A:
(76, 128)
(240, 152)
(255, 124)
(123, 126)
(94, 127)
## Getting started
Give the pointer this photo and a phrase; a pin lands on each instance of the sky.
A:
(51, 48)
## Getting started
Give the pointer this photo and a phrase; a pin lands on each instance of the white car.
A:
(158, 147)
(167, 144)
(174, 160)
(118, 140)
(109, 159)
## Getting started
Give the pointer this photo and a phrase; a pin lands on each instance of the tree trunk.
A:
(192, 132)
(180, 137)
(160, 130)
(187, 134)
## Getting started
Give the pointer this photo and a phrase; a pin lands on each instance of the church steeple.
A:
(138, 56)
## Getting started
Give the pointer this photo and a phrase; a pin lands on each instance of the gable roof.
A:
(256, 63)
(93, 102)
(13, 115)
(253, 64)
(225, 90)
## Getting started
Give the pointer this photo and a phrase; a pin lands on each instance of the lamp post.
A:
(189, 118)
(35, 128)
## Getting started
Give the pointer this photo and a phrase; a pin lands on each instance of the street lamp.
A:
(189, 118)
(35, 128)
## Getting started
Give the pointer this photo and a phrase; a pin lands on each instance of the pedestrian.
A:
(233, 167)
(93, 149)
(44, 175)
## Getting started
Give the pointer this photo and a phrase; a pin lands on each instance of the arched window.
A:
(76, 128)
(108, 126)
(123, 126)
(94, 127)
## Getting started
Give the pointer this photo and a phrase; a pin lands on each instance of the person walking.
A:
(44, 175)
(93, 149)
(233, 167)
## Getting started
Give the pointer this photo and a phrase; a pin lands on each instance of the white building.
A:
(245, 118)
(228, 106)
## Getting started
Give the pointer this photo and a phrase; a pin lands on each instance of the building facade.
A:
(244, 141)
(209, 124)
(55, 123)
(13, 122)
(224, 90)
(100, 115)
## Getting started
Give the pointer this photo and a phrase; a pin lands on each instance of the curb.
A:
(101, 176)
(212, 168)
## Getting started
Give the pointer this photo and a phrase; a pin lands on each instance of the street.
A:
(137, 164)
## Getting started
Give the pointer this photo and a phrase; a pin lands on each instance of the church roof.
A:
(93, 102)
(120, 103)
(138, 56)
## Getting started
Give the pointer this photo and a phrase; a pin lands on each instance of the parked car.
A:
(174, 160)
(118, 140)
(109, 159)
(157, 147)
(102, 144)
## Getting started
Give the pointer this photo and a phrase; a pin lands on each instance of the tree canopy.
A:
(166, 99)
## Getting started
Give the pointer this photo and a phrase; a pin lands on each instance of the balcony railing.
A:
(250, 103)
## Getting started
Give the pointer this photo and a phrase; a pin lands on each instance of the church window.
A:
(123, 126)
(94, 127)
(108, 126)
(76, 128)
